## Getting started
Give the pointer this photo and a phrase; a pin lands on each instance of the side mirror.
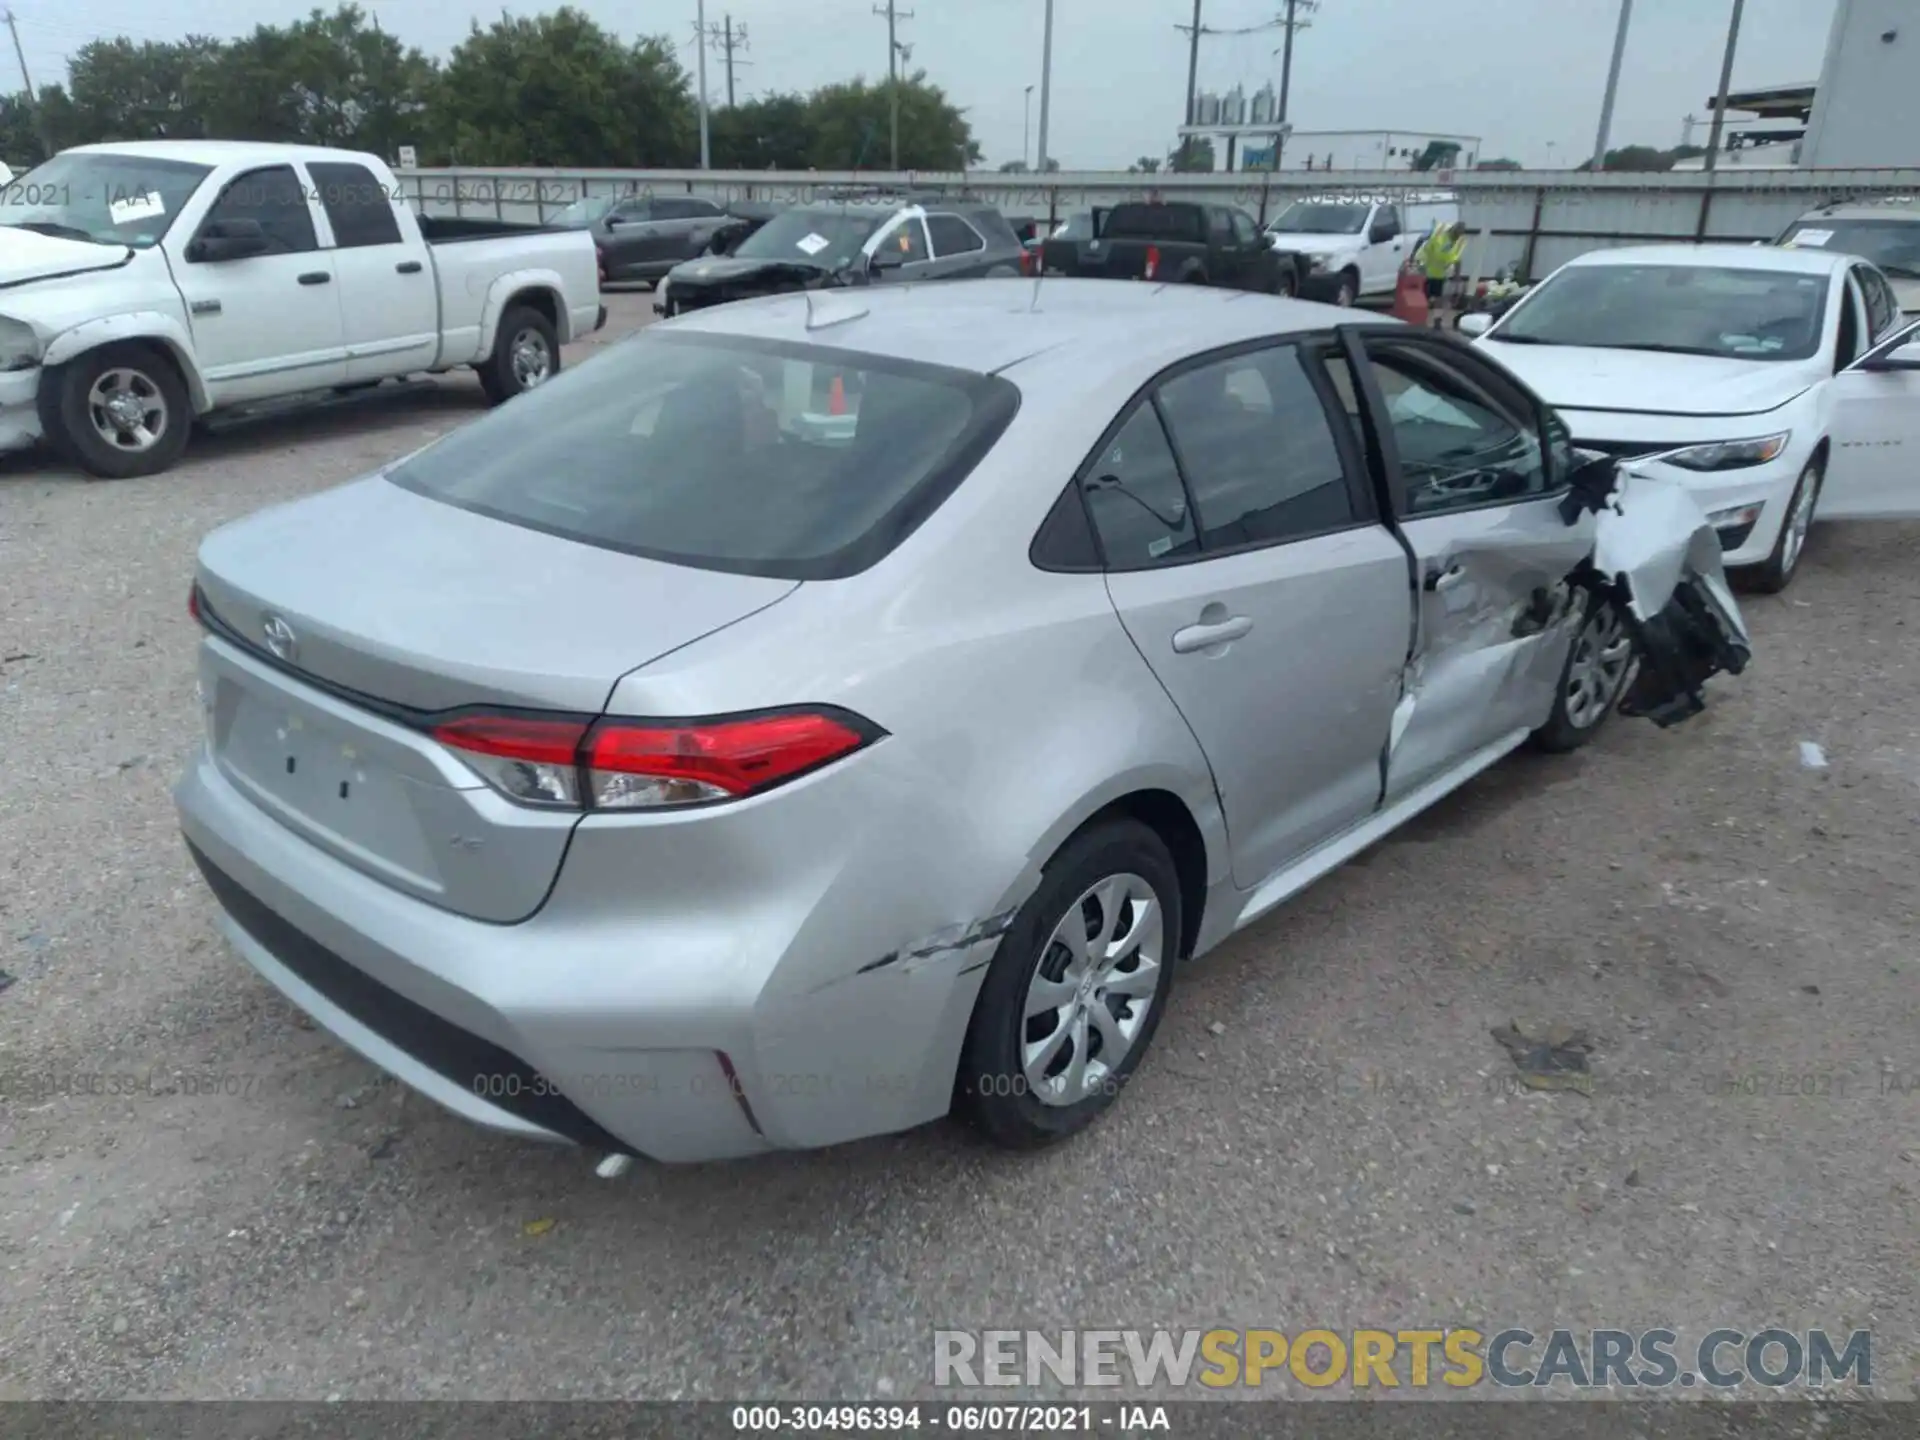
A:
(228, 240)
(886, 258)
(1477, 323)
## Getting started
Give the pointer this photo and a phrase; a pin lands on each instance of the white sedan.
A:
(1776, 383)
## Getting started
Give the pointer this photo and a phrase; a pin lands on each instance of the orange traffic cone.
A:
(837, 397)
(1410, 299)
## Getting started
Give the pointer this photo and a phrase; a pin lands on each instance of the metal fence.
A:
(1532, 220)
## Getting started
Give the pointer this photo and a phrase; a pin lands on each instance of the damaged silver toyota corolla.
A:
(823, 712)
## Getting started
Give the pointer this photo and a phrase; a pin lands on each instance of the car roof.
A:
(1030, 327)
(1905, 208)
(220, 152)
(1719, 257)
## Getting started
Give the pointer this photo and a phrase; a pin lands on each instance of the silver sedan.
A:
(821, 713)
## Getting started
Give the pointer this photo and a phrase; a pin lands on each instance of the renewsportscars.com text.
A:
(1456, 1357)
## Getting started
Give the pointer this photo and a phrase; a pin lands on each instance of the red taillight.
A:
(1153, 260)
(193, 603)
(636, 765)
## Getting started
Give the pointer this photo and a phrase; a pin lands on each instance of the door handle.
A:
(315, 277)
(1205, 636)
(1445, 579)
(408, 267)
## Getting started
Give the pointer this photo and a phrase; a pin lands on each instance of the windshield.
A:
(1685, 309)
(582, 213)
(104, 197)
(828, 238)
(755, 457)
(1893, 245)
(1319, 217)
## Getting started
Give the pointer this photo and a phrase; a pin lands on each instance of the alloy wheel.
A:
(531, 358)
(1597, 672)
(128, 410)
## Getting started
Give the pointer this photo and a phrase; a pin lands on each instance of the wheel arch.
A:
(160, 333)
(539, 289)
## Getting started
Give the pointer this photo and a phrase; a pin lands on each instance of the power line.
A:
(895, 53)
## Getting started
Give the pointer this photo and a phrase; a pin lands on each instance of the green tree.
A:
(123, 91)
(852, 127)
(559, 90)
(1014, 167)
(1499, 165)
(329, 80)
(1145, 165)
(1193, 156)
(771, 133)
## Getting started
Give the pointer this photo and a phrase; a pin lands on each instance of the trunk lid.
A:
(342, 619)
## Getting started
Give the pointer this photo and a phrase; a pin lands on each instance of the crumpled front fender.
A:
(1658, 559)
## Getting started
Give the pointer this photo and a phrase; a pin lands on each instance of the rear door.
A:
(628, 231)
(1246, 562)
(682, 226)
(1873, 470)
(1475, 484)
(388, 304)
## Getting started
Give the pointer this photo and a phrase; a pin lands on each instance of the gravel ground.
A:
(1324, 1135)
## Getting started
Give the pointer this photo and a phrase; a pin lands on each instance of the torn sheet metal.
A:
(1656, 556)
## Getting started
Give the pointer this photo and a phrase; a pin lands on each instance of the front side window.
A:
(750, 456)
(1244, 230)
(1258, 450)
(1460, 446)
(1679, 309)
(275, 198)
(907, 239)
(582, 213)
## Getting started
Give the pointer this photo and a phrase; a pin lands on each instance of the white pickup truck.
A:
(145, 285)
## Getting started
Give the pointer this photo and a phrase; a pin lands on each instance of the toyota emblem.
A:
(280, 637)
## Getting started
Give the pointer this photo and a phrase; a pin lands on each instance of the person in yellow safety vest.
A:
(1438, 256)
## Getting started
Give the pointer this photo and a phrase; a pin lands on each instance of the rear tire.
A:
(1776, 572)
(119, 412)
(1599, 664)
(1032, 1071)
(526, 354)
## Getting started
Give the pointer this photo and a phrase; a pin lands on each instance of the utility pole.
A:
(1293, 22)
(1046, 88)
(1193, 78)
(894, 49)
(700, 44)
(726, 38)
(1026, 129)
(33, 100)
(1726, 79)
(1613, 86)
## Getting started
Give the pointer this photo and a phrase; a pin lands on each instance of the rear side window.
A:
(953, 236)
(683, 209)
(751, 456)
(357, 205)
(1134, 494)
(1258, 450)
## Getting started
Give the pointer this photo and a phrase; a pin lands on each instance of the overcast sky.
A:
(1519, 73)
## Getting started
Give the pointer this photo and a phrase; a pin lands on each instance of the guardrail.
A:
(1535, 221)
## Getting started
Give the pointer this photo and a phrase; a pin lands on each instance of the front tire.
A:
(1076, 989)
(1284, 283)
(1776, 572)
(1348, 290)
(119, 412)
(1599, 664)
(526, 354)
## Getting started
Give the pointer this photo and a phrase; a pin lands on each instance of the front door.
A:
(389, 300)
(269, 324)
(1476, 491)
(1873, 471)
(904, 241)
(1386, 248)
(1246, 564)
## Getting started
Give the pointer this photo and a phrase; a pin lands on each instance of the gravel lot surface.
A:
(1325, 1134)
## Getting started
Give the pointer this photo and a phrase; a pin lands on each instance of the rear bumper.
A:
(683, 1025)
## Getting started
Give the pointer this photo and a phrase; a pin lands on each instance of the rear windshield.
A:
(751, 456)
(1156, 222)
